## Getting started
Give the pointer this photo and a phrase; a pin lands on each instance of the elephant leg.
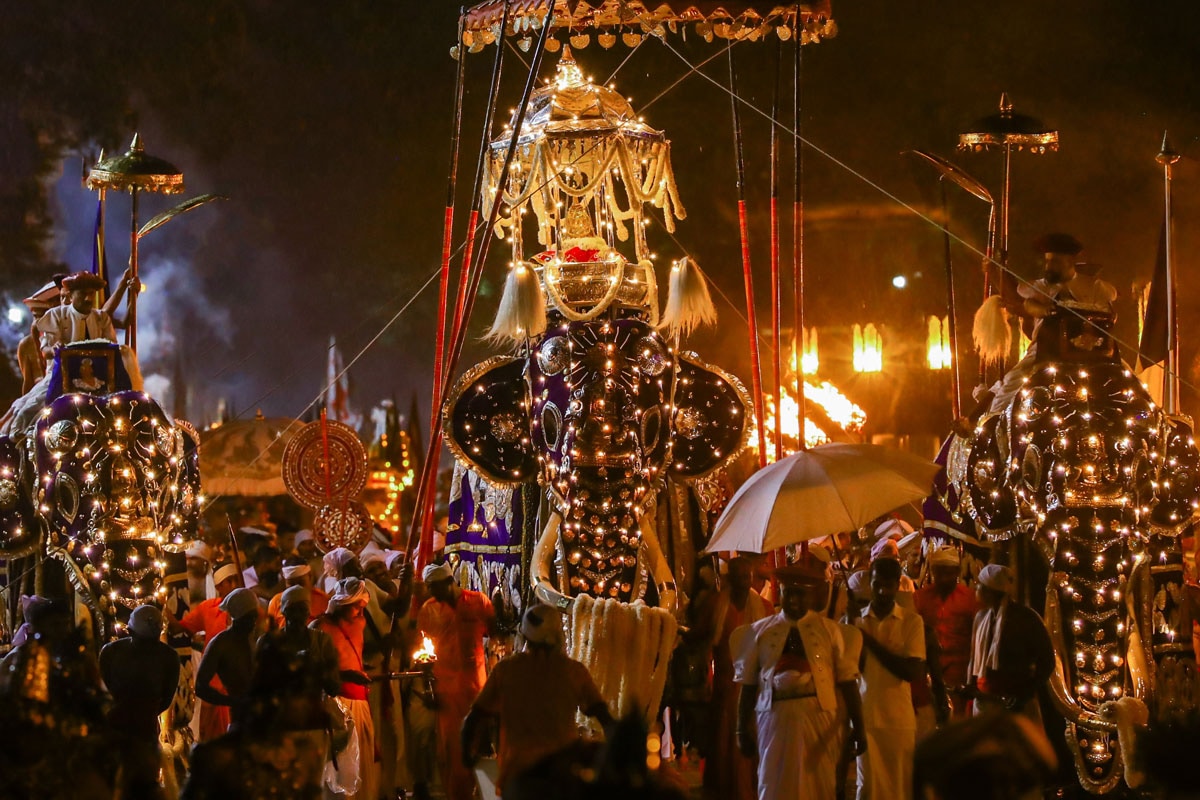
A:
(542, 564)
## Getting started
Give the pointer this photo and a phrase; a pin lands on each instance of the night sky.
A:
(327, 125)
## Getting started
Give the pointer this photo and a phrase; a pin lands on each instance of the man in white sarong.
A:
(795, 670)
(77, 321)
(893, 657)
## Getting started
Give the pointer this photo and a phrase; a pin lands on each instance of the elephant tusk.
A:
(657, 562)
(542, 564)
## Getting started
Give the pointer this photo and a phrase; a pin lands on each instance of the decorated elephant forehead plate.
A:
(600, 391)
(324, 461)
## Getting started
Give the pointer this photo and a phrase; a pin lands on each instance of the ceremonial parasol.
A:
(245, 457)
(136, 171)
(629, 21)
(1007, 130)
(813, 493)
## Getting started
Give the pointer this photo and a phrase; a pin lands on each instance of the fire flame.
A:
(836, 406)
(426, 654)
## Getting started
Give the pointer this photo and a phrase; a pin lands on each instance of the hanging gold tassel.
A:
(992, 335)
(522, 311)
(689, 305)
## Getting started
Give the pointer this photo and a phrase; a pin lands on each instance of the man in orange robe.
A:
(457, 620)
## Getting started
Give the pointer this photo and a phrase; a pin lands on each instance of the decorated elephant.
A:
(106, 483)
(1103, 483)
(591, 459)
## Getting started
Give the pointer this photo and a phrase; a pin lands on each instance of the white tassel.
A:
(991, 332)
(689, 305)
(522, 311)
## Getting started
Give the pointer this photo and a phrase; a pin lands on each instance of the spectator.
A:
(141, 673)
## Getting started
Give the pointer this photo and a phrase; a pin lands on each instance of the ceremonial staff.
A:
(1167, 157)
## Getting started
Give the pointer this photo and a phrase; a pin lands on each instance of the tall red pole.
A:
(423, 518)
(747, 272)
(775, 282)
(798, 236)
(448, 233)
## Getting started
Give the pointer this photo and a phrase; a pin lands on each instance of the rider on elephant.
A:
(1065, 283)
(77, 321)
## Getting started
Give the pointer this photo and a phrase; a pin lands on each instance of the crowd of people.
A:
(833, 692)
(811, 680)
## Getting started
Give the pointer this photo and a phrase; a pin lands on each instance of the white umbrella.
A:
(819, 492)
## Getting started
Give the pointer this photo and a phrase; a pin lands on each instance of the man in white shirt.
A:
(80, 320)
(77, 321)
(893, 657)
(795, 672)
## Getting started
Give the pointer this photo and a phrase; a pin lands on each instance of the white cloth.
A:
(63, 325)
(250, 577)
(798, 748)
(985, 641)
(885, 770)
(887, 699)
(824, 648)
(889, 722)
(799, 739)
(356, 766)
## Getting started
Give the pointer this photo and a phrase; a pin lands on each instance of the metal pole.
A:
(952, 324)
(798, 233)
(131, 314)
(775, 283)
(1167, 157)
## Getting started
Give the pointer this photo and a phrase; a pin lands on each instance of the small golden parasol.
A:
(135, 171)
(1007, 131)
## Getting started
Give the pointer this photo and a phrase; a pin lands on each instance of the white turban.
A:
(892, 527)
(542, 624)
(945, 557)
(302, 536)
(146, 622)
(336, 560)
(996, 576)
(225, 573)
(349, 592)
(436, 572)
(297, 571)
(392, 556)
(371, 557)
(859, 585)
(885, 548)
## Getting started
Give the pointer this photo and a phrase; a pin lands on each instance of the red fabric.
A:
(353, 691)
(951, 618)
(206, 618)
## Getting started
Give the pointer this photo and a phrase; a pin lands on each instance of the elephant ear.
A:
(712, 421)
(486, 422)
